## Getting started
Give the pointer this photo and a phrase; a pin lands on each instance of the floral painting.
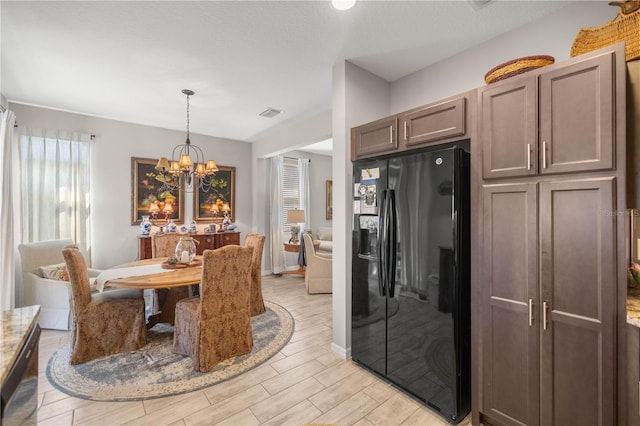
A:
(220, 194)
(146, 185)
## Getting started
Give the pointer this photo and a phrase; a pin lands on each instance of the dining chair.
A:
(256, 242)
(318, 272)
(163, 300)
(216, 325)
(103, 323)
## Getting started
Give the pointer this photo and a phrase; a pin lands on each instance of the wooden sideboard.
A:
(206, 241)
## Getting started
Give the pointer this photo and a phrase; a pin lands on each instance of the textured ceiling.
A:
(130, 60)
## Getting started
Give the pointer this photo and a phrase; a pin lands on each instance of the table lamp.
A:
(294, 218)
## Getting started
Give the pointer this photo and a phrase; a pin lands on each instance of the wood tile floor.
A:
(304, 383)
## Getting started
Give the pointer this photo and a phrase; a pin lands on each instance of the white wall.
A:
(114, 239)
(553, 36)
(358, 97)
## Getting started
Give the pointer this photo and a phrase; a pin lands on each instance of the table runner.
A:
(132, 271)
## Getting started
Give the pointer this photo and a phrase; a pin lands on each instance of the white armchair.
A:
(318, 275)
(52, 295)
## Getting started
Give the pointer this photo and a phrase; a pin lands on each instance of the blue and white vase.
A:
(193, 228)
(171, 227)
(145, 226)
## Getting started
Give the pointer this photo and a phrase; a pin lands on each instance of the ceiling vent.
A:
(271, 112)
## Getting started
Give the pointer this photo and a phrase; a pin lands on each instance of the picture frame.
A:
(223, 190)
(329, 200)
(145, 183)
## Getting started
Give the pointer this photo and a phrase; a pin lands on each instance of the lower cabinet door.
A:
(578, 284)
(510, 333)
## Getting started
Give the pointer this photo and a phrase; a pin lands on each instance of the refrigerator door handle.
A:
(381, 245)
(392, 238)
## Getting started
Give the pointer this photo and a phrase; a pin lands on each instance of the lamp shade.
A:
(295, 216)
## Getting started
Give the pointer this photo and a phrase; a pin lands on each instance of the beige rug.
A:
(154, 371)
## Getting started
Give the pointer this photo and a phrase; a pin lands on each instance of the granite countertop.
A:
(633, 306)
(15, 327)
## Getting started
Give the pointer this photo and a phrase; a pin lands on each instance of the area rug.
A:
(154, 371)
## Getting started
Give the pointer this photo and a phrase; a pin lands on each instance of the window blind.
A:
(290, 190)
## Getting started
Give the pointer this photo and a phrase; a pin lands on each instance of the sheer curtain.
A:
(276, 225)
(54, 186)
(7, 247)
(305, 194)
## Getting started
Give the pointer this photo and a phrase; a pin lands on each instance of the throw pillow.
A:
(324, 234)
(55, 272)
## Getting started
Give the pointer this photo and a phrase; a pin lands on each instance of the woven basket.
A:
(625, 27)
(516, 67)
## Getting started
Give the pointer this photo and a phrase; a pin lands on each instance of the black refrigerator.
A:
(411, 273)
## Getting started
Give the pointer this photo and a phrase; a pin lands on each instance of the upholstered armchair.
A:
(317, 275)
(103, 323)
(216, 325)
(163, 301)
(256, 242)
(45, 282)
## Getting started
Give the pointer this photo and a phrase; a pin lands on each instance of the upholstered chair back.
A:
(164, 245)
(78, 278)
(105, 323)
(318, 273)
(217, 325)
(256, 242)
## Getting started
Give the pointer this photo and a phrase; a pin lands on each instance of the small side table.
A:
(295, 248)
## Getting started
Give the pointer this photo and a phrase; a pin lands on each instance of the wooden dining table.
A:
(181, 276)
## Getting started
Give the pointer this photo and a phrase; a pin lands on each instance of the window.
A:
(54, 181)
(290, 190)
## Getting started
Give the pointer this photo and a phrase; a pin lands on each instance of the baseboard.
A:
(340, 351)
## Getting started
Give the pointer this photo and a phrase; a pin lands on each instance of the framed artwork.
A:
(329, 195)
(145, 183)
(222, 191)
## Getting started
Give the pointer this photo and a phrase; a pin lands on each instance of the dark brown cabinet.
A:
(559, 121)
(577, 303)
(434, 123)
(207, 241)
(376, 138)
(548, 346)
(510, 327)
(551, 268)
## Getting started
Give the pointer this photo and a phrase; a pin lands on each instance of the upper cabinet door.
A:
(434, 122)
(375, 138)
(577, 121)
(508, 128)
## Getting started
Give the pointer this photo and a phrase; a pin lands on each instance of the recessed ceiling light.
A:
(343, 4)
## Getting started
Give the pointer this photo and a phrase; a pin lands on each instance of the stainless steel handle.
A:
(529, 162)
(405, 130)
(530, 312)
(391, 134)
(544, 315)
(544, 154)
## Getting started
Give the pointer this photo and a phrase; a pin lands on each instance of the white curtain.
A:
(54, 186)
(277, 249)
(305, 194)
(7, 247)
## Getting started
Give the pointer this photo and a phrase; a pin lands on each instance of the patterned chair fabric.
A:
(163, 301)
(217, 325)
(164, 245)
(256, 241)
(103, 323)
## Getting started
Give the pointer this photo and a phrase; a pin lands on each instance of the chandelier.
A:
(182, 170)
